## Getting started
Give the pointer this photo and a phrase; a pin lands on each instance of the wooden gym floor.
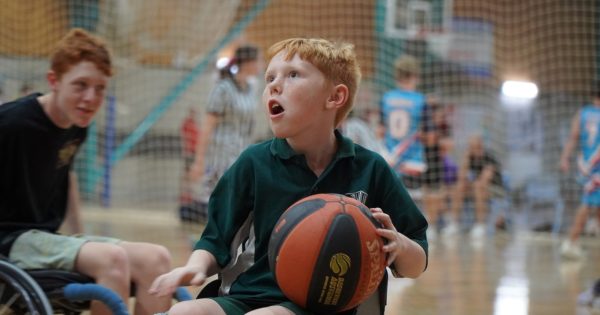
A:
(507, 274)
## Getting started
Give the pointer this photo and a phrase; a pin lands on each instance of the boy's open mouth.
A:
(275, 108)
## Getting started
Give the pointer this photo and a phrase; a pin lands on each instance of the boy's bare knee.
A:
(148, 262)
(106, 263)
(114, 262)
(160, 259)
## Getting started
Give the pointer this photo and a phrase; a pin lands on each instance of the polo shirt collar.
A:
(281, 148)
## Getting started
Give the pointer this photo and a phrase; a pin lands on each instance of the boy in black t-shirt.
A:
(39, 136)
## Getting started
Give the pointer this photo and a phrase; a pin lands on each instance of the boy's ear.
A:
(52, 79)
(338, 97)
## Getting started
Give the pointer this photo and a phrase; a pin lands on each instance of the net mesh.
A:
(166, 53)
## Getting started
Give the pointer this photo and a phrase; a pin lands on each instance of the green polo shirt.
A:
(269, 177)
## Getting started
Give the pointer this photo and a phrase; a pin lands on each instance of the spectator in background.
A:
(228, 124)
(436, 139)
(189, 141)
(479, 176)
(358, 125)
(357, 128)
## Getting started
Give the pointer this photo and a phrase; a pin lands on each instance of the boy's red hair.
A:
(337, 61)
(77, 46)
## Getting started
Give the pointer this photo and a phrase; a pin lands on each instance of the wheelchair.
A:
(49, 291)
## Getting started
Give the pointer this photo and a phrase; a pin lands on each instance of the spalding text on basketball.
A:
(375, 261)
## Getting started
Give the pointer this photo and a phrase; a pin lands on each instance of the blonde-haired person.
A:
(401, 115)
(310, 88)
(38, 190)
(480, 176)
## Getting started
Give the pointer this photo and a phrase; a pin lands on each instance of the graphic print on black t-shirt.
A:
(66, 153)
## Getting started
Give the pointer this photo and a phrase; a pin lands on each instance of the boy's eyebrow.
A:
(285, 66)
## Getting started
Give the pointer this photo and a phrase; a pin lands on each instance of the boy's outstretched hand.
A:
(168, 283)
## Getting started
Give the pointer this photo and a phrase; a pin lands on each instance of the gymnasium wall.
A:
(158, 43)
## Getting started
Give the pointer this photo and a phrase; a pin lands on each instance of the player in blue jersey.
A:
(401, 112)
(585, 128)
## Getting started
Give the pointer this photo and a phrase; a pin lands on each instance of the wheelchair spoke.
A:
(9, 303)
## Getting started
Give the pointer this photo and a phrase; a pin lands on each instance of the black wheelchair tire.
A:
(25, 294)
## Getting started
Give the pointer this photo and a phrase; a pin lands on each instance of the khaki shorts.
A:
(36, 249)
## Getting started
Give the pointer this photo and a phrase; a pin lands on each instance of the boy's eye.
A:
(293, 74)
(80, 85)
(269, 78)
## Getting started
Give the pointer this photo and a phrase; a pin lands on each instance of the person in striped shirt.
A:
(228, 123)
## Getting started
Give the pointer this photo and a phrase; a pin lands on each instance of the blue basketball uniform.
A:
(589, 158)
(402, 113)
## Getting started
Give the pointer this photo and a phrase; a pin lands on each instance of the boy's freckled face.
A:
(295, 94)
(80, 92)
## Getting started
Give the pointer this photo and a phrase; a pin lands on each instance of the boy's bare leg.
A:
(271, 310)
(481, 194)
(109, 266)
(458, 198)
(579, 223)
(197, 307)
(433, 204)
(147, 261)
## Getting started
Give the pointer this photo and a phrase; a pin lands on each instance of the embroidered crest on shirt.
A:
(359, 195)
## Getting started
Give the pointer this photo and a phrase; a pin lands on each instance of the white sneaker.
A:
(451, 230)
(571, 250)
(478, 231)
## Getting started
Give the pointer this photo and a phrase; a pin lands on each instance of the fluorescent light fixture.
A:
(520, 89)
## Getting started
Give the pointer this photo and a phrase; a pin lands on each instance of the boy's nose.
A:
(90, 94)
(274, 86)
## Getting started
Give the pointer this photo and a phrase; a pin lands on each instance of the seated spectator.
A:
(478, 177)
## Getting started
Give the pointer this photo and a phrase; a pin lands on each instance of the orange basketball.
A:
(325, 253)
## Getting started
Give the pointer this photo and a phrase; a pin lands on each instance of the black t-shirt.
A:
(478, 163)
(35, 160)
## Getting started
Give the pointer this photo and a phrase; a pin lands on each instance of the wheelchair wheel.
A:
(20, 294)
